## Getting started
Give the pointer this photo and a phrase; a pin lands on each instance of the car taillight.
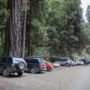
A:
(87, 61)
(40, 65)
(12, 65)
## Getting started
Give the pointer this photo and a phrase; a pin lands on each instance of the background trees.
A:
(3, 19)
(66, 19)
(53, 28)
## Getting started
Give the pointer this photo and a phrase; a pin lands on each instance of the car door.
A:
(9, 62)
(34, 63)
(62, 62)
(3, 63)
(28, 63)
(0, 64)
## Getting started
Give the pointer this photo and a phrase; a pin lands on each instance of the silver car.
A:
(65, 62)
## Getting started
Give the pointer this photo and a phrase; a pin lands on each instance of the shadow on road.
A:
(12, 76)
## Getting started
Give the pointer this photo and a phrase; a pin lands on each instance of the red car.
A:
(49, 66)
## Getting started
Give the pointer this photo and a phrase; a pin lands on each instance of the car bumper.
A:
(13, 70)
(41, 70)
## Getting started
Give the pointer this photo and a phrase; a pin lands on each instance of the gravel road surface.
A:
(70, 78)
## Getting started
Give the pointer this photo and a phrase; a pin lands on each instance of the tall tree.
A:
(13, 30)
(66, 24)
(24, 9)
(35, 27)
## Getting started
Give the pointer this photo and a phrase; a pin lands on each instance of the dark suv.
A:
(12, 65)
(35, 64)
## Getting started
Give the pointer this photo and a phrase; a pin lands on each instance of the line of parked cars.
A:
(67, 62)
(10, 65)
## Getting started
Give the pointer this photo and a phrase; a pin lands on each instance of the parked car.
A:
(77, 62)
(85, 61)
(74, 62)
(49, 66)
(65, 62)
(88, 60)
(35, 64)
(56, 65)
(80, 62)
(12, 65)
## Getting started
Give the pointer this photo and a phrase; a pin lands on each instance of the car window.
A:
(63, 60)
(34, 61)
(17, 60)
(0, 59)
(60, 61)
(4, 60)
(27, 60)
(43, 62)
(9, 60)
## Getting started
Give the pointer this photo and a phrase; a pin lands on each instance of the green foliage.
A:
(3, 4)
(42, 51)
(4, 13)
(65, 22)
(37, 26)
(1, 43)
(58, 28)
(55, 28)
(87, 37)
(3, 18)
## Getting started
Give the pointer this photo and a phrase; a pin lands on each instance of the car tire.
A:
(20, 73)
(6, 72)
(67, 65)
(33, 71)
(21, 66)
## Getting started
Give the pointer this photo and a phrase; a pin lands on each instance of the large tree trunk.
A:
(28, 35)
(24, 33)
(13, 31)
(32, 10)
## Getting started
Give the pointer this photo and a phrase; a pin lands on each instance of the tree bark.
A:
(13, 31)
(28, 37)
(30, 27)
(24, 33)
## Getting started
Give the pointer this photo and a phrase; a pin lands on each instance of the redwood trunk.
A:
(13, 32)
(24, 33)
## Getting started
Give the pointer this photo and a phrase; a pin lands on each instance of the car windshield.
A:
(63, 60)
(42, 61)
(16, 60)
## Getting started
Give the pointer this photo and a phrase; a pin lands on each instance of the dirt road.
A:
(71, 78)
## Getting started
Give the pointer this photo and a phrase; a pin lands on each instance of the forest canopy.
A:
(47, 28)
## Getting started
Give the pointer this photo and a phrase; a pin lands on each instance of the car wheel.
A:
(33, 71)
(20, 73)
(21, 66)
(67, 65)
(6, 72)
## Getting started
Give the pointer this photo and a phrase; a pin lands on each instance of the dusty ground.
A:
(70, 78)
